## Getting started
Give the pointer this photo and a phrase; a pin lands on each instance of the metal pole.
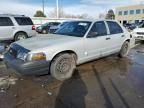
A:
(57, 8)
(43, 6)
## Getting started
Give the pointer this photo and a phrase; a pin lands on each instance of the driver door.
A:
(96, 41)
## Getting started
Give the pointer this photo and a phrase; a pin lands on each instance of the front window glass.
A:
(74, 28)
(99, 28)
(114, 27)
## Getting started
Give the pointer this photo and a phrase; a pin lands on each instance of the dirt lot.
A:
(106, 83)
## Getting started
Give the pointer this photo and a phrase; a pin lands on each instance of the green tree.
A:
(110, 14)
(39, 13)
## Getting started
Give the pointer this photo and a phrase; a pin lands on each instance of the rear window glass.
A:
(114, 27)
(24, 21)
(5, 21)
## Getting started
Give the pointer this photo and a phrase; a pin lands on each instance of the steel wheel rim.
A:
(64, 66)
(125, 49)
(20, 37)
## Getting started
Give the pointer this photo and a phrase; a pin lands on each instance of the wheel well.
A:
(128, 40)
(20, 32)
(66, 51)
(69, 52)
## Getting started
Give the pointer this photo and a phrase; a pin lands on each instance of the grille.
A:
(140, 33)
(140, 37)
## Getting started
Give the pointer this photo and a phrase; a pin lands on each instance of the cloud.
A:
(111, 2)
(91, 7)
(95, 7)
(15, 7)
(92, 11)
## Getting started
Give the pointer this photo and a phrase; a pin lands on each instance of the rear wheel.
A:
(124, 50)
(63, 66)
(20, 36)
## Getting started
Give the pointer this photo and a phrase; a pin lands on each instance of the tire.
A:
(20, 36)
(124, 50)
(63, 66)
(44, 32)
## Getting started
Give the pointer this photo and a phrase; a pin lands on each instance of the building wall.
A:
(135, 17)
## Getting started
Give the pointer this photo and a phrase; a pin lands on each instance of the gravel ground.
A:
(105, 83)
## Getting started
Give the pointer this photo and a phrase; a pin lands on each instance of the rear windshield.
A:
(24, 21)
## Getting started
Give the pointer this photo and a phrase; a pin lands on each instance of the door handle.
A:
(13, 27)
(108, 38)
(123, 36)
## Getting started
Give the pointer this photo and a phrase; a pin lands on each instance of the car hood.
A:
(139, 30)
(44, 41)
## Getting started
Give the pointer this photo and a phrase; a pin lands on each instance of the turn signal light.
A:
(38, 56)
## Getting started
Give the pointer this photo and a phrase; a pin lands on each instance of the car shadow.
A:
(72, 93)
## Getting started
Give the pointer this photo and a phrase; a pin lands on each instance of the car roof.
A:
(92, 20)
(11, 15)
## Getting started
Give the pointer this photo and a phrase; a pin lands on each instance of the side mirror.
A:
(92, 34)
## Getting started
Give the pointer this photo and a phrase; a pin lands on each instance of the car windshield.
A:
(74, 28)
(141, 25)
(46, 24)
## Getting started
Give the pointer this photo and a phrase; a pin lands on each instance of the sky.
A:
(76, 7)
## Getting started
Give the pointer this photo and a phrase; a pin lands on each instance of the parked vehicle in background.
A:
(16, 27)
(2, 49)
(138, 33)
(75, 43)
(44, 29)
(54, 28)
(129, 26)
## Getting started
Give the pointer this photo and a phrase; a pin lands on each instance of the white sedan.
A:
(75, 43)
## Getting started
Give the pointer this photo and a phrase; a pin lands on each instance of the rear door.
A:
(6, 28)
(116, 36)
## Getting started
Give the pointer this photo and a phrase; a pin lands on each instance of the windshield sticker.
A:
(83, 24)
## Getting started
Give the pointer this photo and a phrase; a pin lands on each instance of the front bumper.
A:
(27, 68)
(138, 37)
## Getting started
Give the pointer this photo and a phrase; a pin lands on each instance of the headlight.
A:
(36, 57)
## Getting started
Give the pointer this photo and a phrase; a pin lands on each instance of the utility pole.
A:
(43, 6)
(57, 8)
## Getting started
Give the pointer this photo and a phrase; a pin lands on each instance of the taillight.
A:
(33, 27)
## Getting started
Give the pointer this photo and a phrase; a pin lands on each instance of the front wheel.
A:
(63, 66)
(124, 50)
